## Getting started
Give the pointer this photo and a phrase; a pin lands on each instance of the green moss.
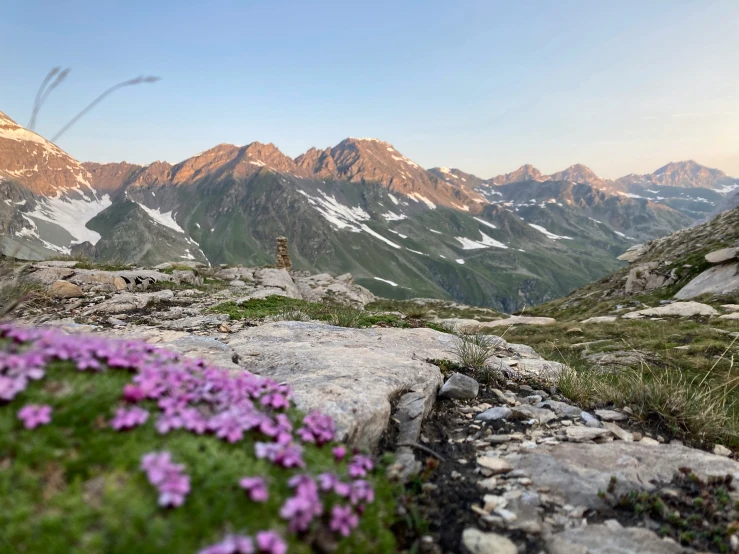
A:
(289, 308)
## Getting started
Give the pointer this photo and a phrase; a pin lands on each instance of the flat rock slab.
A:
(719, 279)
(478, 542)
(471, 324)
(610, 539)
(577, 471)
(676, 309)
(350, 374)
(723, 255)
(601, 319)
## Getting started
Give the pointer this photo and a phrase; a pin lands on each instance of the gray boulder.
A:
(494, 414)
(723, 255)
(719, 279)
(610, 538)
(578, 471)
(350, 374)
(271, 278)
(460, 387)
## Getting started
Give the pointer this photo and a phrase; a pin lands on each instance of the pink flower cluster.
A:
(128, 418)
(267, 542)
(196, 397)
(169, 478)
(256, 488)
(317, 428)
(34, 415)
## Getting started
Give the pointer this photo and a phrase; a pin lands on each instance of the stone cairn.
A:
(282, 260)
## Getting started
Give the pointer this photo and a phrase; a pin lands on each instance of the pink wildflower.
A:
(343, 520)
(339, 453)
(129, 418)
(270, 542)
(34, 415)
(231, 544)
(256, 487)
(317, 428)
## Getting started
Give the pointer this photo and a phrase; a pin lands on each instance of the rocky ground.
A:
(495, 462)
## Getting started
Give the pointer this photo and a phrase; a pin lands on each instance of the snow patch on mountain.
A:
(71, 214)
(421, 198)
(726, 189)
(548, 233)
(390, 216)
(379, 236)
(485, 242)
(165, 218)
(485, 222)
(391, 283)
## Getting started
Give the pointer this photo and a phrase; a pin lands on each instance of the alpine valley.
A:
(361, 206)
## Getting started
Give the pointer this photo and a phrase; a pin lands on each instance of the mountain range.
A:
(360, 206)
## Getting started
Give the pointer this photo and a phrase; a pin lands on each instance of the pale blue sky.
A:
(485, 86)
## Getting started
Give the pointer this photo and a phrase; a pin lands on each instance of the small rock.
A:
(495, 465)
(492, 502)
(478, 542)
(507, 515)
(721, 450)
(734, 543)
(488, 484)
(590, 420)
(611, 415)
(532, 399)
(649, 440)
(224, 328)
(115, 321)
(460, 387)
(582, 434)
(494, 414)
(65, 289)
(619, 433)
(542, 415)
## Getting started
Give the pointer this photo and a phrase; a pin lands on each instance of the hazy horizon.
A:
(483, 87)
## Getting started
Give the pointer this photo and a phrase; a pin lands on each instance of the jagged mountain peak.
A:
(37, 164)
(526, 172)
(682, 174)
(5, 119)
(578, 173)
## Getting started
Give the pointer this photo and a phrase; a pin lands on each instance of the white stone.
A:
(495, 465)
(478, 542)
(600, 319)
(581, 434)
(676, 309)
(723, 255)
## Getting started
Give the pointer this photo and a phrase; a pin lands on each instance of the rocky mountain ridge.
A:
(360, 206)
(687, 174)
